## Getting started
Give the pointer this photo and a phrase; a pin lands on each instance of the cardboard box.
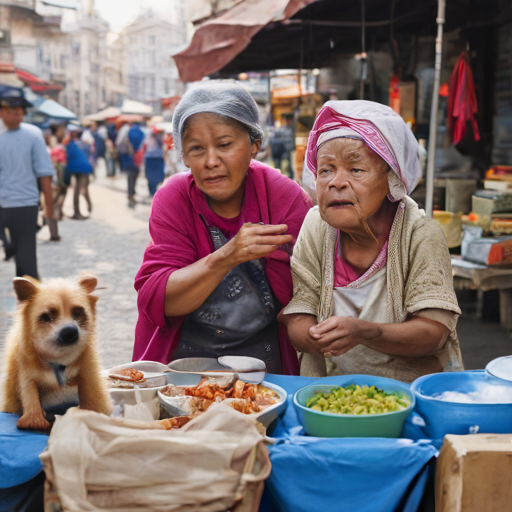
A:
(474, 474)
(486, 202)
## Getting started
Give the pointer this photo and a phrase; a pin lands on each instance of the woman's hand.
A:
(255, 241)
(339, 334)
(416, 337)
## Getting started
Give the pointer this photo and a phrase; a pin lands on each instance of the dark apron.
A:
(238, 319)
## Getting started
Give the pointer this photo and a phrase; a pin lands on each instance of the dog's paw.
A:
(33, 422)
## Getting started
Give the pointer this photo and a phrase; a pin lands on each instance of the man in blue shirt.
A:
(24, 167)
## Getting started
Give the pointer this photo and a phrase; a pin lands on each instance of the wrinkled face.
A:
(218, 151)
(62, 317)
(12, 116)
(351, 184)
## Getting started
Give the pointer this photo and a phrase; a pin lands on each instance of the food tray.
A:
(265, 417)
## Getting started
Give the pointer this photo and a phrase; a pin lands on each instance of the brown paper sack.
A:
(98, 463)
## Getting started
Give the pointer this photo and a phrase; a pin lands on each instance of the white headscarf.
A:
(382, 129)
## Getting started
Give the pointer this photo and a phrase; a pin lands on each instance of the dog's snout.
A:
(68, 334)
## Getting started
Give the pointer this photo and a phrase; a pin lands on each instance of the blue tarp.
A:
(354, 475)
(19, 452)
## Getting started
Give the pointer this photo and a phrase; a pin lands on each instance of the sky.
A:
(120, 13)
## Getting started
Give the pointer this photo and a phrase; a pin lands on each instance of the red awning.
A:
(35, 83)
(6, 67)
(217, 41)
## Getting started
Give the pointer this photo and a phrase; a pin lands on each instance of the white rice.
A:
(485, 395)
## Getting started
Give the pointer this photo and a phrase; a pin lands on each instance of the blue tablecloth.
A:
(356, 475)
(19, 452)
(352, 474)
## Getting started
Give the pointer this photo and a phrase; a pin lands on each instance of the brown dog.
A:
(51, 355)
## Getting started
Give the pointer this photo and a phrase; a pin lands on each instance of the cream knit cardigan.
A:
(419, 277)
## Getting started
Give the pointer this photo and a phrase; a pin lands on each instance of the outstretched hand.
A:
(255, 241)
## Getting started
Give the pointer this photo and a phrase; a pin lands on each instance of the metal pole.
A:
(363, 51)
(429, 199)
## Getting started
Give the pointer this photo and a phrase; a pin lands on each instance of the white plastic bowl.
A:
(265, 417)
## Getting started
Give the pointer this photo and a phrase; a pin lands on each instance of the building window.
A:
(151, 39)
(133, 86)
(151, 86)
(152, 57)
(142, 88)
(165, 84)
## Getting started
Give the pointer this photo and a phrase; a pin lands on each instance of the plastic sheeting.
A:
(353, 474)
(19, 452)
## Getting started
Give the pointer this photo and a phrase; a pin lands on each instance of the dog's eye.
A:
(46, 318)
(78, 313)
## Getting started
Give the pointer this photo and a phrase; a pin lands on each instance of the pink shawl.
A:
(179, 238)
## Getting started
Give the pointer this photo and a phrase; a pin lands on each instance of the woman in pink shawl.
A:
(217, 270)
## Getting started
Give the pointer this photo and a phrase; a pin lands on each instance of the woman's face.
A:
(351, 184)
(218, 152)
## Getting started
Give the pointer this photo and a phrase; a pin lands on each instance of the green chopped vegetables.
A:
(359, 400)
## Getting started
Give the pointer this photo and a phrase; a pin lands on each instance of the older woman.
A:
(217, 271)
(373, 290)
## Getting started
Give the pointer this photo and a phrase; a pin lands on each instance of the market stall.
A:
(314, 473)
(301, 105)
(399, 465)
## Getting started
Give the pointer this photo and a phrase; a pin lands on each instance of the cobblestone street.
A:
(110, 245)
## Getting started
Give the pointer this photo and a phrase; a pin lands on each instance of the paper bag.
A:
(98, 463)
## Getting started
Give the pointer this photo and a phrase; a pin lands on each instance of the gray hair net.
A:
(222, 97)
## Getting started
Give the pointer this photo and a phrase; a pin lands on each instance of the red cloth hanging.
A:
(462, 105)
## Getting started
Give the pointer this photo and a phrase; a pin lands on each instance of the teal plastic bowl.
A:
(324, 424)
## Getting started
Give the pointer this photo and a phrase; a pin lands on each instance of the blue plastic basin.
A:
(443, 417)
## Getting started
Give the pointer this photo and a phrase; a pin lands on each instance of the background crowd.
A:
(61, 159)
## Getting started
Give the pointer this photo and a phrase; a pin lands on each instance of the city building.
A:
(150, 72)
(115, 69)
(86, 88)
(60, 43)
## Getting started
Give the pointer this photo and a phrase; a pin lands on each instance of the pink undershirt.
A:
(228, 227)
(345, 273)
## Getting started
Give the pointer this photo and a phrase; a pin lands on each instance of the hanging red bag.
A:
(462, 105)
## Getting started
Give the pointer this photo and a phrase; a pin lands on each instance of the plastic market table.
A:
(356, 474)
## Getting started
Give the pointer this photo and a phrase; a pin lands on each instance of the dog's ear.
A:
(24, 288)
(88, 282)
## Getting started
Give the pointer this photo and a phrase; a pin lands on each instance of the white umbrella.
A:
(107, 113)
(135, 107)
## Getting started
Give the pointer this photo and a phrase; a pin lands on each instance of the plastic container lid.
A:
(500, 368)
